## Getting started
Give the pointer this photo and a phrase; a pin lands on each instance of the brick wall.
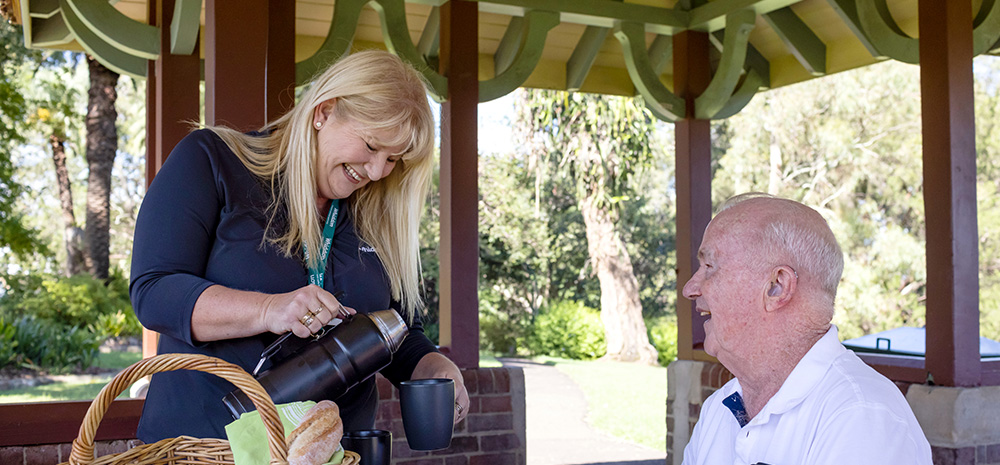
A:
(492, 433)
(58, 453)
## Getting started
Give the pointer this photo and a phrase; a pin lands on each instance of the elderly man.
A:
(767, 280)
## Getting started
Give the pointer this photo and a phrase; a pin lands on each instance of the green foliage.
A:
(848, 146)
(44, 345)
(663, 335)
(502, 327)
(14, 235)
(569, 330)
(103, 308)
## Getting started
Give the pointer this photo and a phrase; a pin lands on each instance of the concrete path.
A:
(557, 431)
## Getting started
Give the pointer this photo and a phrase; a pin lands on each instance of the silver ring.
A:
(459, 407)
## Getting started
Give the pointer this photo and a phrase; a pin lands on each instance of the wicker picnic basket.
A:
(183, 450)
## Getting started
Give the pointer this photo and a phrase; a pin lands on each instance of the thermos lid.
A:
(391, 325)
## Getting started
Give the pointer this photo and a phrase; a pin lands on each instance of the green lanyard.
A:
(317, 274)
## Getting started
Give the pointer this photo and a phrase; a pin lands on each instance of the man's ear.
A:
(780, 288)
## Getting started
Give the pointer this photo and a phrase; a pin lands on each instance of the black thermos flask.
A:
(326, 368)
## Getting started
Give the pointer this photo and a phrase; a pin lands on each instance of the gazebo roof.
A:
(604, 46)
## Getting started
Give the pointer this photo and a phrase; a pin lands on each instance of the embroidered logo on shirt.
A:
(367, 249)
(735, 405)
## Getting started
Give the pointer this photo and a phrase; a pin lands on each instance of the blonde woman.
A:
(228, 250)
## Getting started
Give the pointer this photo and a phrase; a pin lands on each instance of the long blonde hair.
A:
(379, 91)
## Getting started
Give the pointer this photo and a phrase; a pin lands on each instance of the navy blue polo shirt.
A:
(201, 223)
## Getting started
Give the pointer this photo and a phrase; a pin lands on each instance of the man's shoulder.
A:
(851, 382)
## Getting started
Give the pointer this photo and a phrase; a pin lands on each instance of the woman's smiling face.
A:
(349, 156)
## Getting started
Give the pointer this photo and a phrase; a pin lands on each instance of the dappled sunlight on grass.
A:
(56, 391)
(626, 400)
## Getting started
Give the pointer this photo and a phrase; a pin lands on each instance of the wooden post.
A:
(693, 158)
(236, 35)
(172, 99)
(459, 254)
(279, 94)
(949, 144)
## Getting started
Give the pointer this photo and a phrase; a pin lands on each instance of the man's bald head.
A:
(794, 233)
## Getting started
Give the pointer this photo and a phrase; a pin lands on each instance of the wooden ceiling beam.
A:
(601, 13)
(50, 31)
(711, 16)
(582, 59)
(537, 25)
(755, 60)
(848, 12)
(509, 45)
(661, 53)
(805, 46)
(430, 38)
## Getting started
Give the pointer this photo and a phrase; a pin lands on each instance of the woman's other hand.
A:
(303, 311)
(436, 365)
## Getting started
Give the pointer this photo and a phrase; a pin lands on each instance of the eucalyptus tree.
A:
(597, 142)
(14, 235)
(55, 106)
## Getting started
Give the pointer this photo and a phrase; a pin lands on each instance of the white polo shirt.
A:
(832, 409)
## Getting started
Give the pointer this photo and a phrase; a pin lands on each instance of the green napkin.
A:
(248, 437)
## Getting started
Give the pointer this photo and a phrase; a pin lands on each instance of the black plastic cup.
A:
(373, 445)
(428, 409)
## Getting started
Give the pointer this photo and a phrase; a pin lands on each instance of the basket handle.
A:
(83, 445)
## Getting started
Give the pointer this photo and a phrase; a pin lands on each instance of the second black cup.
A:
(373, 445)
(428, 409)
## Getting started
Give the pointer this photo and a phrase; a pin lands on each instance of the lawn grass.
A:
(117, 361)
(625, 400)
(83, 390)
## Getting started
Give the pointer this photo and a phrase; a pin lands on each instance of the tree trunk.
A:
(102, 144)
(621, 311)
(72, 235)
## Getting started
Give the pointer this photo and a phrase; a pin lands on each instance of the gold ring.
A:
(318, 309)
(307, 320)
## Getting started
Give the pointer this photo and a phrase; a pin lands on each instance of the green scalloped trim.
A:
(537, 25)
(113, 27)
(884, 34)
(727, 76)
(660, 100)
(184, 26)
(109, 55)
(751, 83)
(337, 43)
(986, 27)
(397, 39)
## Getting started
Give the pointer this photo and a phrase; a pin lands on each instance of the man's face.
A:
(727, 286)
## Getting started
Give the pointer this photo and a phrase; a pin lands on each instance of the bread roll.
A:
(315, 440)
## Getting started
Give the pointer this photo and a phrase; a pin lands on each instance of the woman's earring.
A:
(319, 125)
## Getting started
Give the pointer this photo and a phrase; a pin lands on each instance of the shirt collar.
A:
(807, 374)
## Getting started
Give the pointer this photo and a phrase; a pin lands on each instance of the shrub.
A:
(568, 329)
(663, 336)
(502, 326)
(30, 342)
(79, 301)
